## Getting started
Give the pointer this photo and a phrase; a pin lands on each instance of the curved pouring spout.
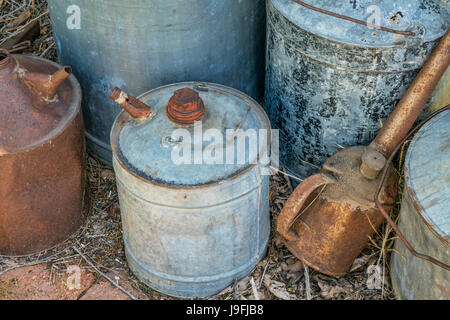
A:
(41, 84)
(45, 85)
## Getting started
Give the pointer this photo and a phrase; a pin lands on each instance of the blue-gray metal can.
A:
(331, 83)
(192, 226)
(139, 45)
(425, 215)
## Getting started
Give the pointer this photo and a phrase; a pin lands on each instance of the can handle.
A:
(364, 23)
(293, 208)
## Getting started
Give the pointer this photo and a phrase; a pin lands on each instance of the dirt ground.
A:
(98, 247)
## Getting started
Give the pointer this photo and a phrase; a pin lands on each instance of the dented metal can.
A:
(331, 83)
(140, 45)
(42, 154)
(190, 228)
(425, 215)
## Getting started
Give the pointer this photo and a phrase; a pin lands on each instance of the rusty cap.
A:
(185, 107)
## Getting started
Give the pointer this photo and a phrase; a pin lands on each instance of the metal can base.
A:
(184, 287)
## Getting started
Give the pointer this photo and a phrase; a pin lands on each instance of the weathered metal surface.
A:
(411, 105)
(139, 45)
(42, 169)
(189, 230)
(330, 216)
(425, 215)
(331, 83)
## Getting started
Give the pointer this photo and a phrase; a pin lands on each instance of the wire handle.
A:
(364, 23)
(386, 215)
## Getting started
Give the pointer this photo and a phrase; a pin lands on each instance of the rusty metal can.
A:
(329, 218)
(191, 228)
(425, 215)
(42, 154)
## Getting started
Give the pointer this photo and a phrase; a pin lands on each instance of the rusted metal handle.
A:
(380, 186)
(364, 23)
(294, 205)
(136, 108)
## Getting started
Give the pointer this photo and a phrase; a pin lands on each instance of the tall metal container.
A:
(331, 83)
(425, 215)
(143, 44)
(42, 154)
(191, 229)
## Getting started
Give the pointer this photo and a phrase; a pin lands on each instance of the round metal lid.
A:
(398, 15)
(147, 147)
(427, 172)
(29, 116)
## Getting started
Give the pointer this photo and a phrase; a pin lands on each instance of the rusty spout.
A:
(412, 103)
(136, 108)
(45, 85)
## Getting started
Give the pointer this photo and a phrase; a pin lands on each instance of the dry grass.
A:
(100, 238)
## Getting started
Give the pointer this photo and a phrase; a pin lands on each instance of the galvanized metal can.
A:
(139, 45)
(190, 228)
(331, 83)
(42, 154)
(425, 215)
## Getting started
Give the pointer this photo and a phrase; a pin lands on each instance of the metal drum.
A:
(191, 228)
(425, 215)
(42, 154)
(139, 45)
(331, 83)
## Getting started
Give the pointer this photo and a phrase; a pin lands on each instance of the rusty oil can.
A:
(330, 217)
(42, 154)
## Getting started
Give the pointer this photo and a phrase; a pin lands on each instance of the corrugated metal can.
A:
(190, 228)
(42, 154)
(425, 215)
(140, 45)
(331, 83)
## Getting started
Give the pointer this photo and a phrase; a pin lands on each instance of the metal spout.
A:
(136, 108)
(45, 85)
(412, 103)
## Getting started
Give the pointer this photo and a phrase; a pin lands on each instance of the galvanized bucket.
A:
(139, 45)
(331, 83)
(189, 229)
(425, 215)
